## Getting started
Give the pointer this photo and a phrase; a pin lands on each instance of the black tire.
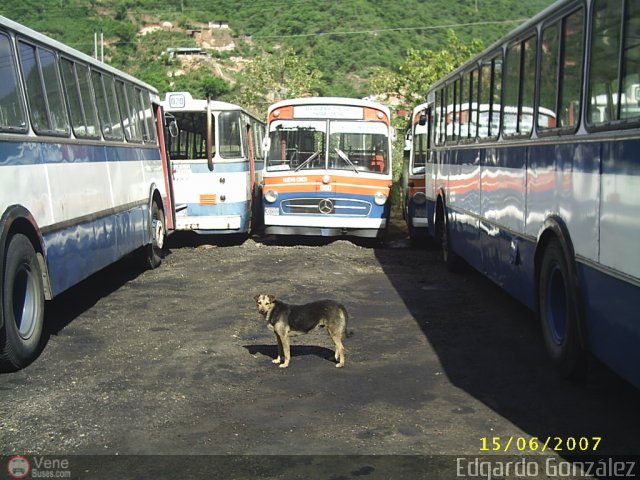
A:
(560, 314)
(155, 250)
(451, 260)
(22, 305)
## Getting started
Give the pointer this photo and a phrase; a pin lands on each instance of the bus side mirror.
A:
(173, 129)
(423, 118)
(393, 134)
(266, 144)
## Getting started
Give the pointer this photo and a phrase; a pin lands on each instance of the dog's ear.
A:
(271, 298)
(256, 297)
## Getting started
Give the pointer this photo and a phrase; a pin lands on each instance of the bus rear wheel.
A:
(451, 260)
(22, 305)
(559, 313)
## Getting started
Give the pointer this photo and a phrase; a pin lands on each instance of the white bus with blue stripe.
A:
(533, 176)
(82, 177)
(216, 165)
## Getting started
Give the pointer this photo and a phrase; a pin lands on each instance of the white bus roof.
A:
(353, 102)
(184, 101)
(61, 47)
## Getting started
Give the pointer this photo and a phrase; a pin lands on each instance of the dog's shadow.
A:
(271, 351)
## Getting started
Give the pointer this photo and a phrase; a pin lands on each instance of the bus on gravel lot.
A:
(216, 165)
(545, 202)
(83, 177)
(328, 168)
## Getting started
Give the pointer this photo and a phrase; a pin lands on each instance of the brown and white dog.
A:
(291, 320)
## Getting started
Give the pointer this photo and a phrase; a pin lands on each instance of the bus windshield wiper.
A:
(312, 157)
(344, 156)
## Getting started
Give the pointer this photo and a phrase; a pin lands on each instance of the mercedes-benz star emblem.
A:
(325, 206)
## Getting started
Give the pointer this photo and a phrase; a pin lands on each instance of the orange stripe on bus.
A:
(317, 179)
(375, 115)
(208, 199)
(283, 112)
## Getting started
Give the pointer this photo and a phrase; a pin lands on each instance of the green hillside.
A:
(340, 42)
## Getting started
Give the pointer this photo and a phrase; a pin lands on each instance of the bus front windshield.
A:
(351, 145)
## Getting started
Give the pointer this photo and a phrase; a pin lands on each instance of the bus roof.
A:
(61, 47)
(184, 101)
(353, 102)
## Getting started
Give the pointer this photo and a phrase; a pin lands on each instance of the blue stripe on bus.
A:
(613, 326)
(219, 167)
(35, 153)
(617, 157)
(78, 251)
(377, 211)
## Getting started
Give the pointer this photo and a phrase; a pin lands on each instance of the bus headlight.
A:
(420, 198)
(271, 196)
(380, 198)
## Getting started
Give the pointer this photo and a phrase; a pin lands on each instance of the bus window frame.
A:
(560, 18)
(18, 87)
(615, 124)
(521, 41)
(471, 76)
(489, 60)
(36, 48)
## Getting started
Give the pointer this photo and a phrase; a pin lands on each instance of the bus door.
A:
(169, 199)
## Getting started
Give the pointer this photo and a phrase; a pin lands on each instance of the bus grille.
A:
(326, 206)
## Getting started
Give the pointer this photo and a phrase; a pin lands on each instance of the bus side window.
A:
(81, 109)
(12, 114)
(605, 45)
(107, 109)
(148, 122)
(39, 68)
(630, 107)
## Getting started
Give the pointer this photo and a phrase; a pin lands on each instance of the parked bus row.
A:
(530, 158)
(95, 166)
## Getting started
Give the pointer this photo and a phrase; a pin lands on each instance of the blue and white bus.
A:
(83, 180)
(533, 175)
(216, 164)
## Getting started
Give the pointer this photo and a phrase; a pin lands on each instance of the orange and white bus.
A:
(328, 168)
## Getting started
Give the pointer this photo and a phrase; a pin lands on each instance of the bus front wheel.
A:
(22, 305)
(158, 232)
(559, 313)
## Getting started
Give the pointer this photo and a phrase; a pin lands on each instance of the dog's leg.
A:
(337, 339)
(286, 347)
(280, 356)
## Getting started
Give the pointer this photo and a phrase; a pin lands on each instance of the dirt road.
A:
(176, 361)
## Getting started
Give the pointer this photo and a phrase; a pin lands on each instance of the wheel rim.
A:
(556, 307)
(158, 233)
(25, 301)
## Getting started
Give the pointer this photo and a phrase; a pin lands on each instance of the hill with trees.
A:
(258, 51)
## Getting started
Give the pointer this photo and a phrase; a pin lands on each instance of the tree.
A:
(214, 87)
(276, 76)
(421, 69)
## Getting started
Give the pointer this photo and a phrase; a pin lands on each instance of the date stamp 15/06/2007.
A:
(521, 444)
